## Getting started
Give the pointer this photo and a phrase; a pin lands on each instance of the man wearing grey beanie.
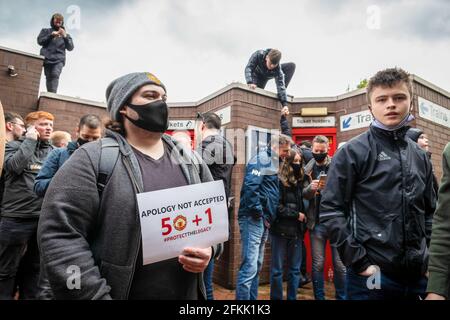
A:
(101, 233)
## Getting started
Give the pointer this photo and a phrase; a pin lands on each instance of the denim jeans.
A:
(389, 288)
(207, 277)
(290, 249)
(18, 252)
(319, 239)
(253, 240)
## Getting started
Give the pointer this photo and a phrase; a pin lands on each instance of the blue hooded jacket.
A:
(54, 161)
(259, 193)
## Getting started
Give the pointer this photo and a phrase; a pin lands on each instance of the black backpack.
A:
(108, 159)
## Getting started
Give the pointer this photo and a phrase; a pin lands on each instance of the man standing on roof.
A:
(265, 65)
(54, 41)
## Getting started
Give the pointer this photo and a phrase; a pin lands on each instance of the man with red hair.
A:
(21, 207)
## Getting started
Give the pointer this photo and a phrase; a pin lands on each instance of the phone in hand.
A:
(322, 180)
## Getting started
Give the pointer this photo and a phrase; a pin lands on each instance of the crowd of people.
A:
(71, 202)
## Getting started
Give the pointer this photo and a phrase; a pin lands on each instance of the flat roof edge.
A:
(22, 53)
(55, 96)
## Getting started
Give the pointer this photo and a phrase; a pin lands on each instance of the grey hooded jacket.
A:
(100, 236)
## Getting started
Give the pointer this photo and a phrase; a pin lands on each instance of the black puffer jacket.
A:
(54, 48)
(378, 203)
(286, 223)
(257, 69)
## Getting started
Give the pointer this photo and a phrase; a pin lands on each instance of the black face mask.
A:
(296, 167)
(153, 117)
(319, 157)
(81, 141)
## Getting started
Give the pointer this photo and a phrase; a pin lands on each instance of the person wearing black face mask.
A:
(316, 167)
(109, 253)
(89, 129)
(287, 229)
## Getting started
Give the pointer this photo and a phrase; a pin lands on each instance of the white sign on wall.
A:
(181, 124)
(301, 122)
(356, 120)
(224, 115)
(433, 112)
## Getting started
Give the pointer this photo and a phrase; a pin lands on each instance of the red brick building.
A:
(244, 111)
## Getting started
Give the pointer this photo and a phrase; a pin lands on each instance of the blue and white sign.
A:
(356, 120)
(433, 112)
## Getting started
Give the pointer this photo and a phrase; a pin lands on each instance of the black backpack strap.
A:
(108, 159)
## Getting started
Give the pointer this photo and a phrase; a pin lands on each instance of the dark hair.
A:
(389, 78)
(320, 139)
(286, 175)
(115, 126)
(306, 143)
(91, 121)
(212, 120)
(274, 56)
(10, 116)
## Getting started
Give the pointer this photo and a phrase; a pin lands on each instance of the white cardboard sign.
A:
(176, 218)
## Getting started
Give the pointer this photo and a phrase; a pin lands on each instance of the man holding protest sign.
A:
(95, 232)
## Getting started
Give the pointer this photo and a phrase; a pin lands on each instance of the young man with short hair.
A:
(312, 192)
(265, 65)
(379, 201)
(89, 129)
(257, 210)
(21, 207)
(217, 153)
(14, 125)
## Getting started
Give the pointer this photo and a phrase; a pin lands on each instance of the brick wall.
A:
(20, 93)
(438, 135)
(67, 111)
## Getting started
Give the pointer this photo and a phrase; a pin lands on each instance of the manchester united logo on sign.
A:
(179, 223)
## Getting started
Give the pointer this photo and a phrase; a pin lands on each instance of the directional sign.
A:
(181, 124)
(356, 120)
(433, 112)
(302, 122)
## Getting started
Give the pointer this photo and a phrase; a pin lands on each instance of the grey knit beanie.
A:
(120, 90)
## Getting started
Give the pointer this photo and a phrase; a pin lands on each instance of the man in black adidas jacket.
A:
(379, 200)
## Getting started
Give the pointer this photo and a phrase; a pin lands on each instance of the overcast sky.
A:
(199, 46)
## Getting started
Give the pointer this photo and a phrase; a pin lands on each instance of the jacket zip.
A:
(403, 198)
(354, 218)
(133, 178)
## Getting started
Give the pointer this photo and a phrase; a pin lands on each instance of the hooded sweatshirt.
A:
(54, 48)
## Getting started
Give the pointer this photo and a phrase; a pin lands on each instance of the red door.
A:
(299, 135)
(189, 133)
